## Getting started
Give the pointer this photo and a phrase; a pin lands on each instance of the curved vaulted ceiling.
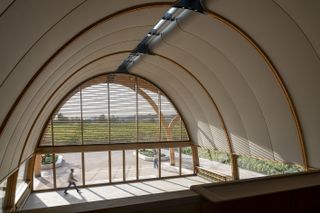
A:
(244, 74)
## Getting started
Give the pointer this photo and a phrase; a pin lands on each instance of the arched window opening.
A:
(113, 128)
(114, 108)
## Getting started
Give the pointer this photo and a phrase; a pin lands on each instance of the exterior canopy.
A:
(114, 108)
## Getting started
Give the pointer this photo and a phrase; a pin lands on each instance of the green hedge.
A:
(213, 155)
(47, 158)
(253, 164)
(186, 150)
(149, 152)
(267, 167)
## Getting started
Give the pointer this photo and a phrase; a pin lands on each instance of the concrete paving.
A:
(96, 169)
(109, 192)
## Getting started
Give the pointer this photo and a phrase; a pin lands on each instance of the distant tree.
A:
(152, 119)
(102, 118)
(114, 118)
(74, 118)
(61, 117)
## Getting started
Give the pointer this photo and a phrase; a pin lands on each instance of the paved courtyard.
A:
(97, 171)
(98, 193)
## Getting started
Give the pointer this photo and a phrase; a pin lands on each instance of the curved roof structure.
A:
(244, 74)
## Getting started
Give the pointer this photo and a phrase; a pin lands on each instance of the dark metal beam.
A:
(194, 5)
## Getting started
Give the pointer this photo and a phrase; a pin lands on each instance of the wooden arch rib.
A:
(174, 121)
(56, 90)
(88, 28)
(276, 76)
(93, 25)
(234, 164)
(163, 123)
(156, 109)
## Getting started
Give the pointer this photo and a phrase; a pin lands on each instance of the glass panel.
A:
(46, 139)
(123, 108)
(69, 161)
(214, 160)
(169, 114)
(43, 171)
(169, 162)
(148, 163)
(187, 161)
(95, 132)
(96, 167)
(21, 181)
(108, 107)
(184, 133)
(175, 127)
(66, 122)
(250, 167)
(3, 187)
(131, 165)
(66, 133)
(116, 166)
(148, 119)
(95, 111)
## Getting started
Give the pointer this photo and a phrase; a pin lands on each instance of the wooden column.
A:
(29, 171)
(110, 175)
(172, 157)
(160, 162)
(54, 171)
(83, 169)
(124, 165)
(10, 192)
(234, 166)
(137, 164)
(180, 161)
(37, 165)
(195, 157)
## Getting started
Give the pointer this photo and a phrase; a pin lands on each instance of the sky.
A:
(122, 102)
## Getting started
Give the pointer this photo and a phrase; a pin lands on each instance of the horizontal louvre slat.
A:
(47, 136)
(184, 133)
(114, 108)
(123, 128)
(67, 122)
(94, 99)
(169, 113)
(148, 119)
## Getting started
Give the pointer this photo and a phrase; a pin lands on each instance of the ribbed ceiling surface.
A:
(249, 74)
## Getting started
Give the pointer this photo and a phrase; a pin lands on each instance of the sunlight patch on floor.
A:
(115, 191)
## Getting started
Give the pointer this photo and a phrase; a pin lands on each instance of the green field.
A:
(67, 133)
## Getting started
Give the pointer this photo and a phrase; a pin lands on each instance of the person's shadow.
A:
(73, 199)
(44, 181)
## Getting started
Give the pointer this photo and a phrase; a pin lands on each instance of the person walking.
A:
(72, 181)
(155, 159)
